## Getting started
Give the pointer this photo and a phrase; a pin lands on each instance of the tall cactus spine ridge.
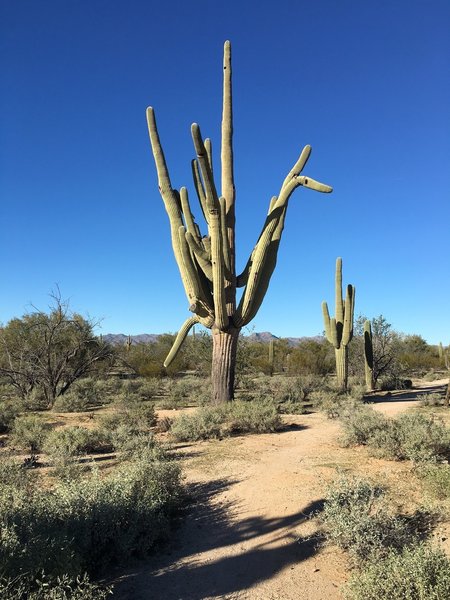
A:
(339, 329)
(368, 356)
(207, 263)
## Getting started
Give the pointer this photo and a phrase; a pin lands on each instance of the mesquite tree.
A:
(207, 263)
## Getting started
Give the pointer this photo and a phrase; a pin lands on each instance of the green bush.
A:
(205, 423)
(85, 525)
(416, 573)
(436, 479)
(73, 440)
(218, 421)
(82, 394)
(28, 433)
(136, 415)
(412, 436)
(252, 417)
(361, 424)
(8, 412)
(432, 399)
(356, 518)
(59, 588)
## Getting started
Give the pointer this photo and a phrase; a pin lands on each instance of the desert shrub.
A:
(436, 479)
(28, 433)
(13, 476)
(82, 394)
(205, 423)
(390, 383)
(8, 412)
(290, 393)
(69, 442)
(136, 415)
(418, 572)
(412, 436)
(432, 399)
(252, 417)
(355, 517)
(218, 421)
(360, 425)
(85, 525)
(36, 400)
(59, 588)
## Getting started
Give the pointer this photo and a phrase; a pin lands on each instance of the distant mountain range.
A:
(117, 339)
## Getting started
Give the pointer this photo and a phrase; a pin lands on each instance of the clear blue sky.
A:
(366, 83)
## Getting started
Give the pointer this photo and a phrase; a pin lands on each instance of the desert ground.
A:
(250, 530)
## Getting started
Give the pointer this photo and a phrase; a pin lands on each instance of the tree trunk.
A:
(342, 367)
(447, 395)
(223, 364)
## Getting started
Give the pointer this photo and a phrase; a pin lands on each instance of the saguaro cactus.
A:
(339, 329)
(368, 355)
(207, 263)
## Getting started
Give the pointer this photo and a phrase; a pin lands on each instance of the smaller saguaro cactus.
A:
(339, 329)
(271, 356)
(368, 356)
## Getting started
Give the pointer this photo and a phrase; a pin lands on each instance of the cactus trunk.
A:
(341, 355)
(223, 364)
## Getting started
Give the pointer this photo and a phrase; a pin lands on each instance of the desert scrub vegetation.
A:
(28, 432)
(390, 558)
(411, 436)
(418, 572)
(219, 421)
(83, 525)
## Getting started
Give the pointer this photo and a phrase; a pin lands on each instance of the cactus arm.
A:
(347, 333)
(312, 184)
(338, 292)
(272, 204)
(206, 241)
(326, 321)
(299, 165)
(212, 200)
(198, 184)
(200, 254)
(208, 148)
(181, 336)
(187, 214)
(227, 174)
(242, 279)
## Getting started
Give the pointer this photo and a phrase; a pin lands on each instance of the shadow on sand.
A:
(206, 526)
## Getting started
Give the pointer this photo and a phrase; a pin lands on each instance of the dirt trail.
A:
(248, 534)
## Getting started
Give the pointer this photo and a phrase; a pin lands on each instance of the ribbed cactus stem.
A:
(341, 355)
(339, 329)
(368, 356)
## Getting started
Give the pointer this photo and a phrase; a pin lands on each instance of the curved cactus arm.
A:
(299, 165)
(208, 148)
(215, 232)
(349, 308)
(198, 184)
(326, 320)
(191, 226)
(201, 256)
(312, 184)
(339, 302)
(171, 200)
(181, 336)
(199, 301)
(206, 242)
(272, 204)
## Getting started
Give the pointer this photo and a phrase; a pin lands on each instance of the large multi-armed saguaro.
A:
(207, 263)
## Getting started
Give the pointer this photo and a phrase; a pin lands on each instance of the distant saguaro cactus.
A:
(339, 329)
(368, 355)
(271, 357)
(207, 263)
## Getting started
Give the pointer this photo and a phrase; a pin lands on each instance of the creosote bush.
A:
(59, 588)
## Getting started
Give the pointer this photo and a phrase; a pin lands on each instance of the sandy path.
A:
(248, 535)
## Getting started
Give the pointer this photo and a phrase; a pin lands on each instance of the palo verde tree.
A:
(339, 329)
(207, 263)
